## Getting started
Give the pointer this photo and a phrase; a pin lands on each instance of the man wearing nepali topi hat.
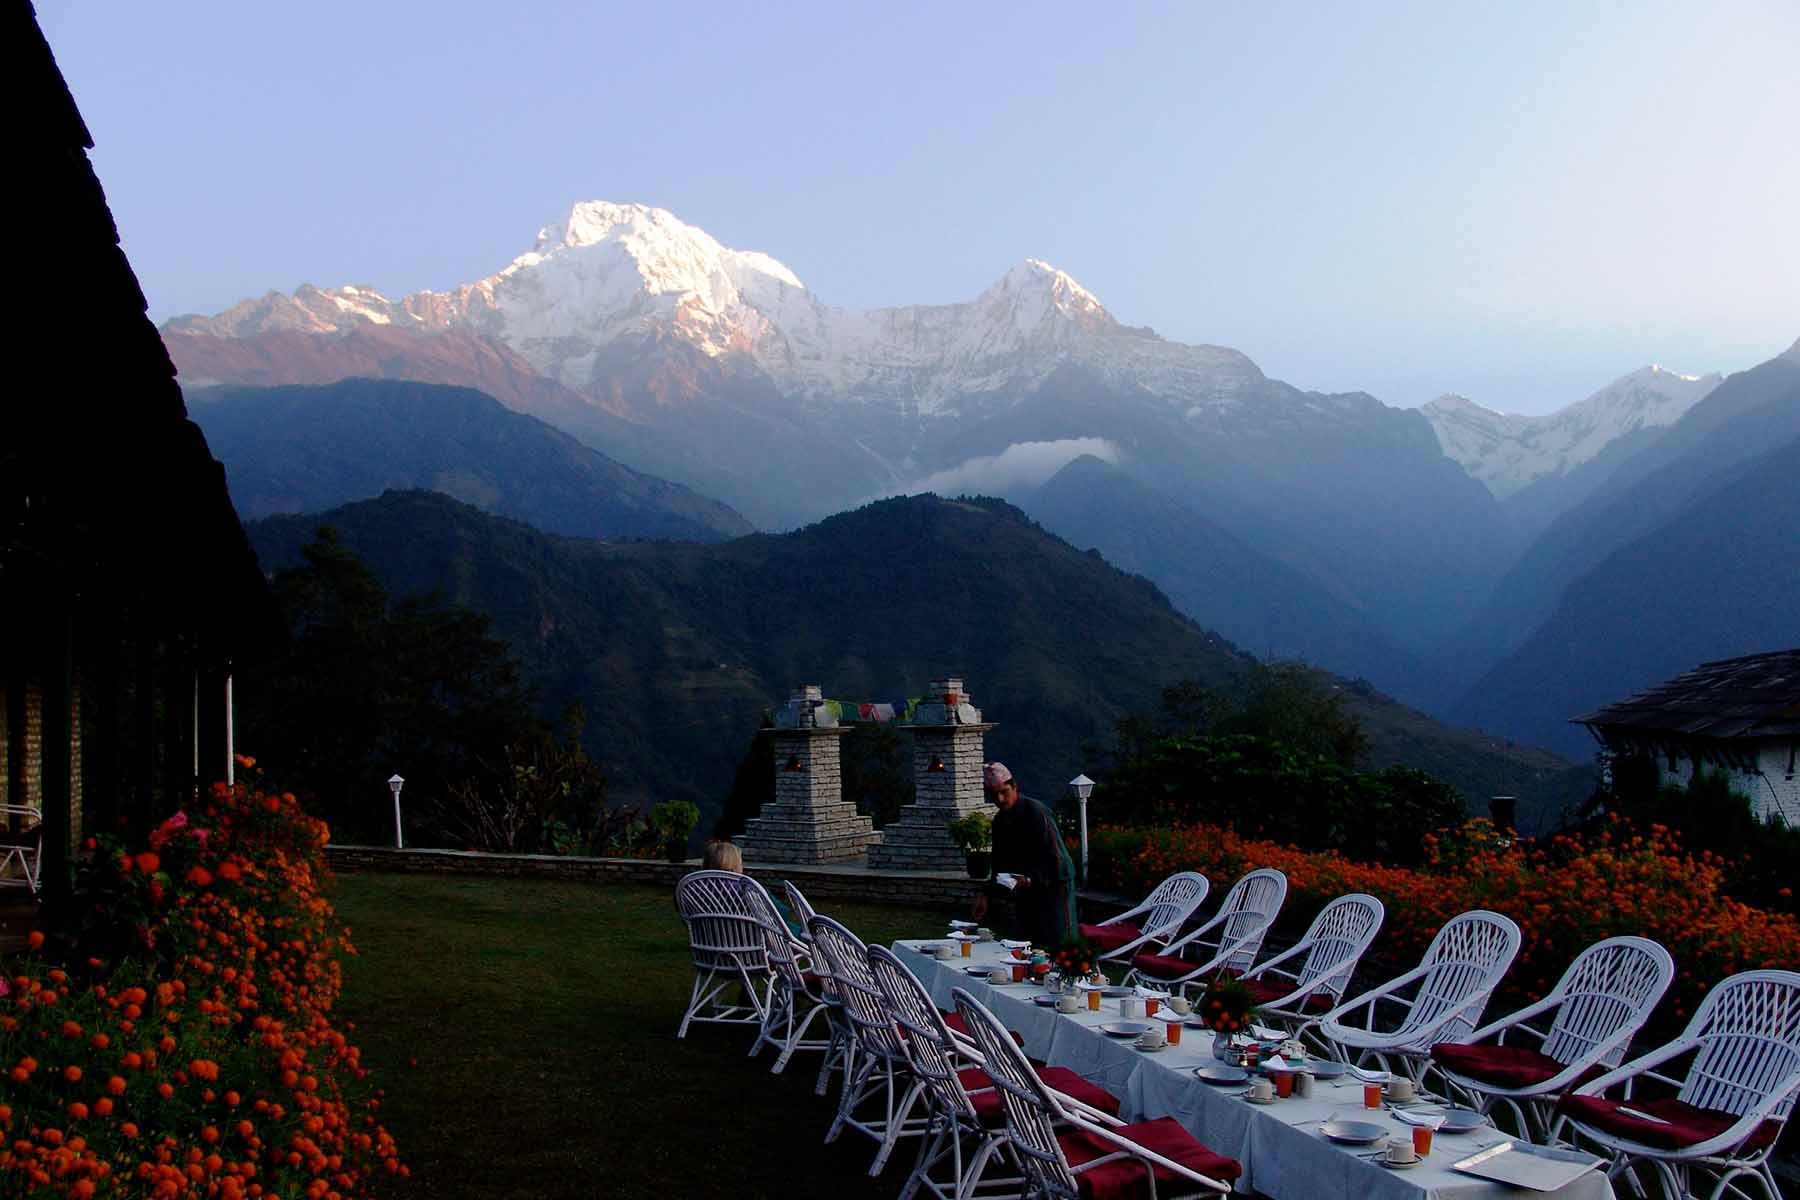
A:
(1028, 848)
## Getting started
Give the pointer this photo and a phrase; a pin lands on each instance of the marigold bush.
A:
(1566, 894)
(178, 1040)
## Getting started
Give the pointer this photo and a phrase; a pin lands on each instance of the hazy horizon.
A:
(1517, 206)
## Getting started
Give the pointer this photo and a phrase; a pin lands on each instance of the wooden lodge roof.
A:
(109, 495)
(1757, 696)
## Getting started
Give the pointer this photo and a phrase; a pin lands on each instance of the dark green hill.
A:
(1719, 580)
(304, 449)
(677, 649)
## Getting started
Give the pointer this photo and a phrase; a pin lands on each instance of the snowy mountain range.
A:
(612, 276)
(1509, 451)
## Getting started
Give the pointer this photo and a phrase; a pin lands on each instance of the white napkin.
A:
(1265, 1033)
(1369, 1076)
(1007, 880)
(1012, 945)
(960, 936)
(964, 925)
(1151, 993)
(1428, 1120)
(1276, 1063)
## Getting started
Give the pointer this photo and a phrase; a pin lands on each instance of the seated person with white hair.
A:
(724, 855)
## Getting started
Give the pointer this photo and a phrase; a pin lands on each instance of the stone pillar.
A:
(947, 732)
(809, 820)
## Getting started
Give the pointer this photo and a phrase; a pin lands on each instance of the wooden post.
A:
(58, 718)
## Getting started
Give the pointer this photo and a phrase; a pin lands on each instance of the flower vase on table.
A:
(1227, 1011)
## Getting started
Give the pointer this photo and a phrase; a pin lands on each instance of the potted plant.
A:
(973, 835)
(674, 821)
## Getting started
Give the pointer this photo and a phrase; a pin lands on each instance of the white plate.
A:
(1149, 1049)
(1222, 1076)
(1354, 1133)
(1462, 1120)
(1391, 1165)
(1253, 1100)
(1123, 1029)
(1320, 1068)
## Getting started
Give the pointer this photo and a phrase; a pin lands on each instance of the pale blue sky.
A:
(1518, 202)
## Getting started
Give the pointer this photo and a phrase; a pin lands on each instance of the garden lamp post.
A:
(395, 783)
(1082, 787)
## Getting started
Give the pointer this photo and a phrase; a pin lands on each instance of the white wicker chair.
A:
(1600, 1002)
(1449, 989)
(1063, 1151)
(1155, 922)
(21, 846)
(958, 1145)
(1309, 978)
(795, 1000)
(881, 1070)
(803, 909)
(1229, 942)
(1728, 1108)
(728, 950)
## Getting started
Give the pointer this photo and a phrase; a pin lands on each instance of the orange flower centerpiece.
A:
(1076, 959)
(1227, 1010)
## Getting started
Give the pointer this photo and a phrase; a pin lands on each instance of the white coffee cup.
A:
(1152, 1037)
(1262, 1089)
(1068, 1002)
(1400, 1090)
(1181, 1005)
(1400, 1150)
(943, 952)
(1132, 1007)
(1000, 975)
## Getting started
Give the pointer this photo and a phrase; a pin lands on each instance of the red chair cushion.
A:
(1107, 938)
(987, 1101)
(1126, 1177)
(1511, 1067)
(1686, 1125)
(1163, 966)
(1268, 991)
(955, 1022)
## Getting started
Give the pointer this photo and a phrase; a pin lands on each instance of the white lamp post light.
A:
(395, 783)
(1083, 787)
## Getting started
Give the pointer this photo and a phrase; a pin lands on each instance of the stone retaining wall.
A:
(915, 889)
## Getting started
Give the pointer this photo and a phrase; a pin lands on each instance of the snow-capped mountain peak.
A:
(1507, 451)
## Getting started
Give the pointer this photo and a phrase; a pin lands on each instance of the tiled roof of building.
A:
(1757, 696)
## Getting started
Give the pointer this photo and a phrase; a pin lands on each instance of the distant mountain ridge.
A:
(305, 449)
(1509, 451)
(677, 649)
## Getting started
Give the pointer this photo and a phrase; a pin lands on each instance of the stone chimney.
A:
(947, 732)
(809, 821)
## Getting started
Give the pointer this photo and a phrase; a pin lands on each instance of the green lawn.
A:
(541, 1018)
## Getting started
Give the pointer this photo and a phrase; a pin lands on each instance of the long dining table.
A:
(1283, 1153)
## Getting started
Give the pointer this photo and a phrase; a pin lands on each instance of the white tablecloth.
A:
(1282, 1153)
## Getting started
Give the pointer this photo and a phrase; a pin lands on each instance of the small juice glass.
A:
(968, 948)
(1421, 1140)
(1371, 1095)
(1093, 999)
(1174, 1033)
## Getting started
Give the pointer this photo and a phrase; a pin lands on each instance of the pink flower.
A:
(176, 822)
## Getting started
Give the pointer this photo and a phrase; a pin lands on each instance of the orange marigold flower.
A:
(72, 1073)
(78, 1111)
(199, 877)
(148, 862)
(35, 939)
(116, 1085)
(103, 1107)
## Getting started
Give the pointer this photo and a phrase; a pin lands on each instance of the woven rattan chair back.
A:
(1464, 963)
(1606, 996)
(1747, 1038)
(1030, 1112)
(721, 931)
(1335, 942)
(930, 1047)
(857, 990)
(1250, 907)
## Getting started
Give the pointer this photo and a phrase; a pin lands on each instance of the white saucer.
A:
(1398, 1166)
(1253, 1100)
